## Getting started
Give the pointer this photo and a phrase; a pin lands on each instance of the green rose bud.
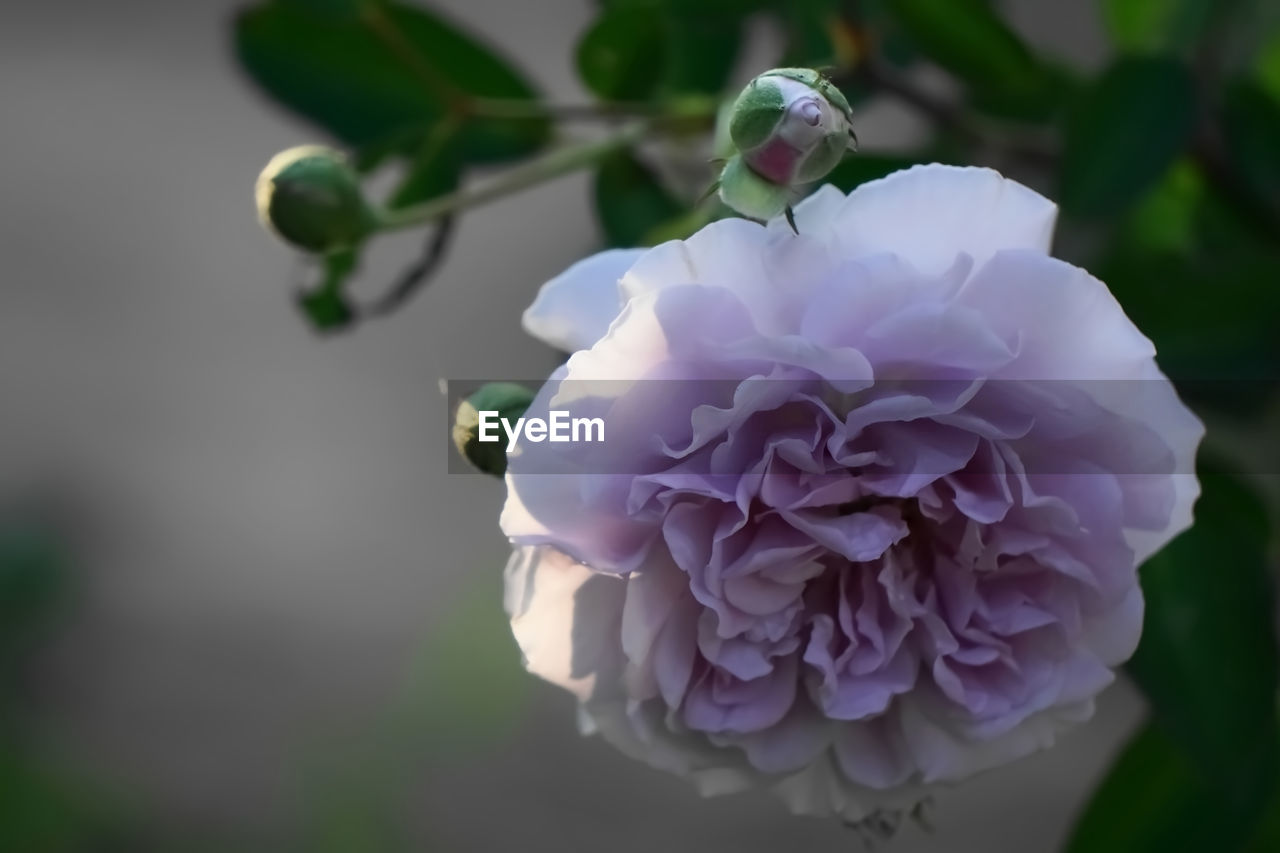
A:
(790, 126)
(310, 197)
(510, 401)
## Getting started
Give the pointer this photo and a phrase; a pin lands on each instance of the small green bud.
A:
(790, 126)
(510, 401)
(311, 198)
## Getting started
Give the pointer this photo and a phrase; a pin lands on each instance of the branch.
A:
(462, 104)
(1211, 156)
(874, 74)
(511, 108)
(864, 65)
(560, 162)
(412, 279)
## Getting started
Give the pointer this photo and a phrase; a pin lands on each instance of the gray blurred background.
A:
(265, 538)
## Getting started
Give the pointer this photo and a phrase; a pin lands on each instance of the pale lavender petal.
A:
(573, 310)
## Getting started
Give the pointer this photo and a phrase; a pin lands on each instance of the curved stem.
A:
(562, 161)
(463, 104)
(413, 278)
(511, 108)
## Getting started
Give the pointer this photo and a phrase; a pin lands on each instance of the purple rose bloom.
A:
(871, 499)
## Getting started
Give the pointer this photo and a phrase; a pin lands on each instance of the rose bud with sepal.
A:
(790, 127)
(310, 197)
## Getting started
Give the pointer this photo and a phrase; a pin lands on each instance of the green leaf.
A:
(46, 811)
(1154, 801)
(1213, 325)
(969, 39)
(719, 8)
(1267, 66)
(1266, 835)
(618, 54)
(1152, 26)
(630, 201)
(703, 49)
(1043, 97)
(1126, 133)
(334, 73)
(1200, 283)
(1251, 128)
(346, 74)
(1207, 660)
(699, 42)
(374, 155)
(809, 39)
(1202, 775)
(326, 305)
(435, 170)
(326, 311)
(1165, 219)
(335, 8)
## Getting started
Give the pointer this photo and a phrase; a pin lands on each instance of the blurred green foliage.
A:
(33, 585)
(1207, 662)
(386, 71)
(1203, 774)
(1166, 162)
(464, 693)
(44, 808)
(1155, 799)
(968, 38)
(619, 55)
(1156, 26)
(631, 201)
(1126, 131)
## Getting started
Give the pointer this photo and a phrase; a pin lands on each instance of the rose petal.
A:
(573, 310)
(928, 215)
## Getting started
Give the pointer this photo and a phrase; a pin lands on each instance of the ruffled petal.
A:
(872, 500)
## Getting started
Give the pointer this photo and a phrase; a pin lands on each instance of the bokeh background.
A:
(250, 609)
